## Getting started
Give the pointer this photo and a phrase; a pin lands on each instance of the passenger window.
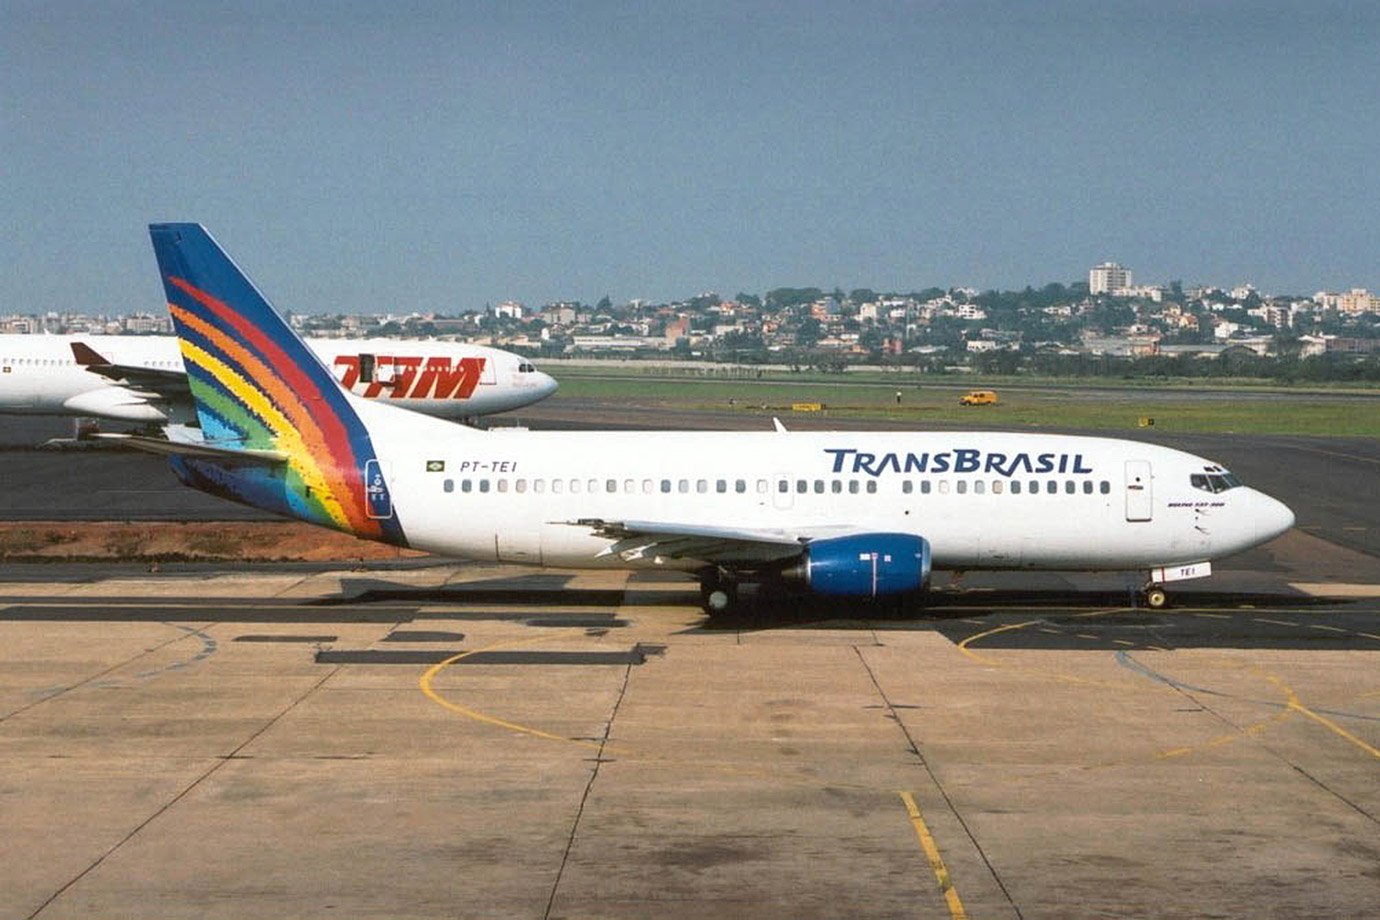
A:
(574, 486)
(906, 486)
(503, 485)
(997, 486)
(611, 485)
(683, 486)
(521, 485)
(629, 485)
(539, 485)
(483, 485)
(721, 485)
(1034, 487)
(665, 485)
(979, 486)
(852, 487)
(802, 486)
(448, 485)
(1052, 487)
(1105, 487)
(819, 486)
(740, 485)
(1087, 486)
(871, 486)
(557, 486)
(943, 487)
(836, 486)
(924, 487)
(761, 486)
(466, 485)
(782, 486)
(1070, 486)
(647, 487)
(1015, 487)
(701, 486)
(962, 487)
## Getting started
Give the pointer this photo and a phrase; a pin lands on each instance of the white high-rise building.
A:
(1108, 277)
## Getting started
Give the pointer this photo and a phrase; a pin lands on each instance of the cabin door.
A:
(1139, 491)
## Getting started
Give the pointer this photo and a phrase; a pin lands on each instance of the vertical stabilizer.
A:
(256, 386)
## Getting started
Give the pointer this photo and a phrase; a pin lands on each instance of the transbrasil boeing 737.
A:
(847, 514)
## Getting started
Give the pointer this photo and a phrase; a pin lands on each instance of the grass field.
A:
(1035, 404)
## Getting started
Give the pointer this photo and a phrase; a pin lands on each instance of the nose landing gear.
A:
(1154, 596)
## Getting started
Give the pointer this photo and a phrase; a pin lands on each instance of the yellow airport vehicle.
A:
(978, 398)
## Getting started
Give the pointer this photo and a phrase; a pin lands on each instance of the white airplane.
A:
(141, 378)
(842, 513)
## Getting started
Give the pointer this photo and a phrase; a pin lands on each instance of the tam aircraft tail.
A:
(258, 389)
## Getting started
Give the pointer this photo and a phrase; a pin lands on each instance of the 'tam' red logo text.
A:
(397, 377)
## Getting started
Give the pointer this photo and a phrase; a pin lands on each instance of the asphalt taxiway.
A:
(436, 740)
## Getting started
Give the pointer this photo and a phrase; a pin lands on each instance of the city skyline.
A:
(457, 156)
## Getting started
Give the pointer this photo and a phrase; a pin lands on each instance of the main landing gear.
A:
(718, 592)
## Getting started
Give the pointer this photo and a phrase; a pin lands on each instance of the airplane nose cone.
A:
(546, 384)
(1275, 517)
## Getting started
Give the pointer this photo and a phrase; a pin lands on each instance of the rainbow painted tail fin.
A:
(258, 388)
(253, 379)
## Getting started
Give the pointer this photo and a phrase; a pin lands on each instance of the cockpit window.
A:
(1216, 480)
(526, 368)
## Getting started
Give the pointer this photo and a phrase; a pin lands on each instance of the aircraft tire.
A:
(718, 596)
(1155, 598)
(720, 600)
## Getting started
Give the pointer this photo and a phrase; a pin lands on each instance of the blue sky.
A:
(441, 156)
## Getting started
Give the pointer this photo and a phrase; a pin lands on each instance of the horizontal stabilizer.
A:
(154, 382)
(197, 450)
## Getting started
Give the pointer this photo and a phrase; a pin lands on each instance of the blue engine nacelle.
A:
(867, 565)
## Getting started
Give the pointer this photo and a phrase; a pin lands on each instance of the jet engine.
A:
(117, 403)
(865, 565)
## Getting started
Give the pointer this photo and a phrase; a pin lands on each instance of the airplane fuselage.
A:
(983, 500)
(40, 376)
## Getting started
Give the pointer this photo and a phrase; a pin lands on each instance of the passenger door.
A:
(1139, 491)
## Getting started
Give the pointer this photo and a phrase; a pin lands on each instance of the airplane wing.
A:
(733, 547)
(148, 382)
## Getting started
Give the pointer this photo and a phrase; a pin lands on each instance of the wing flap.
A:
(734, 547)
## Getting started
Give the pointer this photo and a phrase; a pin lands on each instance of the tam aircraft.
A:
(847, 514)
(141, 378)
